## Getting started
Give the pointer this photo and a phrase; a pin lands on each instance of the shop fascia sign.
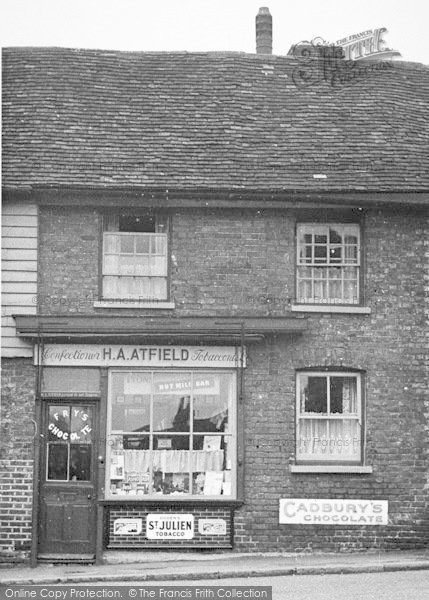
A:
(97, 355)
(328, 511)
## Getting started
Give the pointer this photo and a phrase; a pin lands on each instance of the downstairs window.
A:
(329, 417)
(171, 433)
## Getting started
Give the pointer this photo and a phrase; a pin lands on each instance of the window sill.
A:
(362, 469)
(331, 308)
(131, 304)
(175, 500)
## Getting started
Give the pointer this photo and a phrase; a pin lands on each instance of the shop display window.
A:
(171, 433)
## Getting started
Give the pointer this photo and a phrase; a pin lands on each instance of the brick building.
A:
(215, 303)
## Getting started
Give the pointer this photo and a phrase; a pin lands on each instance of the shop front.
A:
(155, 451)
(141, 438)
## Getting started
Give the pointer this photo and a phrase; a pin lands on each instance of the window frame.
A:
(69, 402)
(125, 301)
(331, 305)
(233, 419)
(361, 418)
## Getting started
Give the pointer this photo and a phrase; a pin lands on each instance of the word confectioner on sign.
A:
(115, 355)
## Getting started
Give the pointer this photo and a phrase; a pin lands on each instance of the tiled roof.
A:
(210, 120)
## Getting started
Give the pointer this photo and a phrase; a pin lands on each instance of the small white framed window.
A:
(135, 258)
(171, 434)
(328, 263)
(329, 417)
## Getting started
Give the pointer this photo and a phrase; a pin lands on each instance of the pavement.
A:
(174, 566)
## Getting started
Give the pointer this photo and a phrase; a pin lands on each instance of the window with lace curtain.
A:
(329, 417)
(328, 263)
(171, 433)
(135, 259)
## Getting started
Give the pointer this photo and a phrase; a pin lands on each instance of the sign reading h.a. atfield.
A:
(94, 355)
(169, 526)
(327, 511)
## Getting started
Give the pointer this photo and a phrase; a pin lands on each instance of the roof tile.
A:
(209, 120)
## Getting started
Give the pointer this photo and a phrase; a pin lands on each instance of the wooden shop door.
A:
(67, 509)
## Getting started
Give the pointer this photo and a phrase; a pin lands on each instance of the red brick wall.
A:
(222, 263)
(16, 457)
(68, 260)
(242, 262)
(199, 511)
(390, 346)
(396, 442)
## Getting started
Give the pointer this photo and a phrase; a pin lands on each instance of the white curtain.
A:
(173, 461)
(331, 437)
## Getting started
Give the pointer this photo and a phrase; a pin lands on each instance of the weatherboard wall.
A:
(19, 273)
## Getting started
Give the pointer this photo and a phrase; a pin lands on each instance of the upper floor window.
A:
(135, 260)
(329, 417)
(328, 263)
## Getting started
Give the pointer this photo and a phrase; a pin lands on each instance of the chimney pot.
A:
(264, 31)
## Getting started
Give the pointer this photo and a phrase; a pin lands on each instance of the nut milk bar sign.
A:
(94, 355)
(305, 511)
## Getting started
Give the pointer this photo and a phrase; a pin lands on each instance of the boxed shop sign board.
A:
(99, 355)
(329, 511)
(127, 526)
(169, 526)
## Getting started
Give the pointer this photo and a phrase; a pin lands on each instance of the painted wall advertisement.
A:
(328, 511)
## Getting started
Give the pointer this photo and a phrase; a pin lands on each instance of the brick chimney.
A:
(264, 31)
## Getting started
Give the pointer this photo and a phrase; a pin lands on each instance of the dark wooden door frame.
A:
(37, 446)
